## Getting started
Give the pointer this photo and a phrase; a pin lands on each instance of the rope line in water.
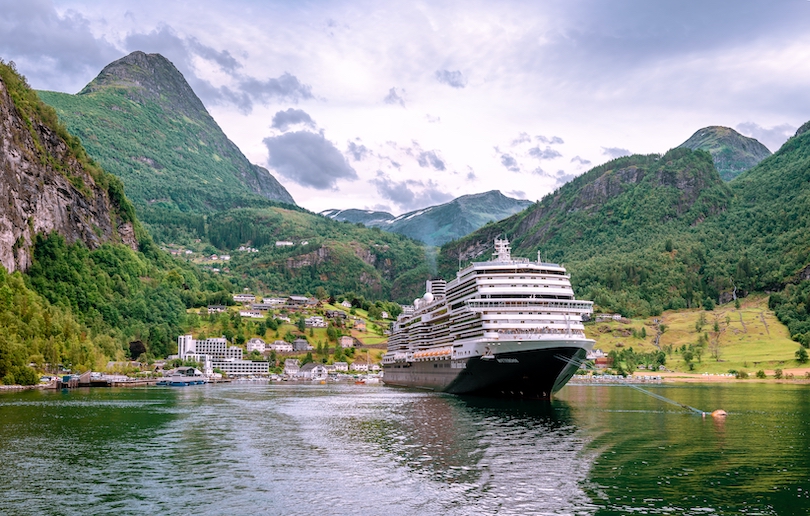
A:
(586, 365)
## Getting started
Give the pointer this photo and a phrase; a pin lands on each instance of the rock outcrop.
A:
(44, 188)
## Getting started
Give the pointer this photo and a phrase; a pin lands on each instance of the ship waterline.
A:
(506, 327)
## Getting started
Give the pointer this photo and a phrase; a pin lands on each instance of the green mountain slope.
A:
(732, 152)
(88, 292)
(141, 121)
(675, 238)
(437, 225)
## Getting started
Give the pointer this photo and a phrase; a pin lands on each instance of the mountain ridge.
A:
(436, 225)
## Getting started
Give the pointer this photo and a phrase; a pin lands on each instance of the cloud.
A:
(615, 152)
(470, 174)
(563, 178)
(243, 92)
(453, 79)
(433, 119)
(308, 159)
(541, 154)
(394, 98)
(430, 158)
(510, 163)
(516, 194)
(581, 161)
(58, 50)
(772, 138)
(549, 141)
(282, 120)
(522, 138)
(358, 151)
(410, 194)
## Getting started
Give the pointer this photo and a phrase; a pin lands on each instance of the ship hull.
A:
(537, 373)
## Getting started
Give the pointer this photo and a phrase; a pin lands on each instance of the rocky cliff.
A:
(46, 186)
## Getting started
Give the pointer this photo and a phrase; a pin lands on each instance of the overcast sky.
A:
(401, 105)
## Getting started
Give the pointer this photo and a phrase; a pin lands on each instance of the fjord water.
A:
(346, 449)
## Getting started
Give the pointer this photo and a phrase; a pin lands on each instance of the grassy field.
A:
(749, 338)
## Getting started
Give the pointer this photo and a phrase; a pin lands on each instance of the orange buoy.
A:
(719, 413)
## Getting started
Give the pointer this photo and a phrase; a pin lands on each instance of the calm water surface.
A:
(346, 449)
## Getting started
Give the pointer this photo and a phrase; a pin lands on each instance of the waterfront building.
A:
(291, 366)
(214, 353)
(312, 371)
(359, 366)
(341, 366)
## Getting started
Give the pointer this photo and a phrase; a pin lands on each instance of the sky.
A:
(396, 106)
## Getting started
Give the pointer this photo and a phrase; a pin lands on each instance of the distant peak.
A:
(148, 76)
(731, 152)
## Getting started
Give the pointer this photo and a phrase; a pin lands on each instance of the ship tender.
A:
(505, 327)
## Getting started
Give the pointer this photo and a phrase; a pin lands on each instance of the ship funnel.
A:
(437, 287)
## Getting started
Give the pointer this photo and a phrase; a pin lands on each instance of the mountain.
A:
(646, 233)
(437, 225)
(48, 183)
(81, 282)
(366, 217)
(732, 152)
(141, 121)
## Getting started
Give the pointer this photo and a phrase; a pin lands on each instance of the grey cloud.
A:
(308, 159)
(430, 158)
(247, 90)
(549, 141)
(522, 138)
(581, 161)
(282, 120)
(410, 194)
(540, 172)
(563, 178)
(54, 51)
(615, 152)
(772, 138)
(510, 163)
(471, 175)
(541, 154)
(394, 98)
(516, 194)
(358, 151)
(453, 79)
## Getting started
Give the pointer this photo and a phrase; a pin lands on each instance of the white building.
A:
(280, 346)
(256, 345)
(312, 371)
(291, 366)
(284, 243)
(345, 304)
(244, 298)
(316, 321)
(274, 301)
(346, 342)
(341, 366)
(214, 353)
(358, 366)
(253, 314)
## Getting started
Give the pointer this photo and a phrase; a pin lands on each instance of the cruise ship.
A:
(505, 327)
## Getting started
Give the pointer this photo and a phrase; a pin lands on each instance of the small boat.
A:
(183, 376)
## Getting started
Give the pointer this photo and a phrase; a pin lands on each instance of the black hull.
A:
(524, 374)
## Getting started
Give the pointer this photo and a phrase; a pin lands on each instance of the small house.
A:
(291, 366)
(346, 342)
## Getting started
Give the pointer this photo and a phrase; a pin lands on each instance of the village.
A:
(288, 338)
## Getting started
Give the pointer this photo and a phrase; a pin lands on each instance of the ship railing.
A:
(520, 333)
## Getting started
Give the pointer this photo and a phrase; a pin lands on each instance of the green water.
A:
(346, 449)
